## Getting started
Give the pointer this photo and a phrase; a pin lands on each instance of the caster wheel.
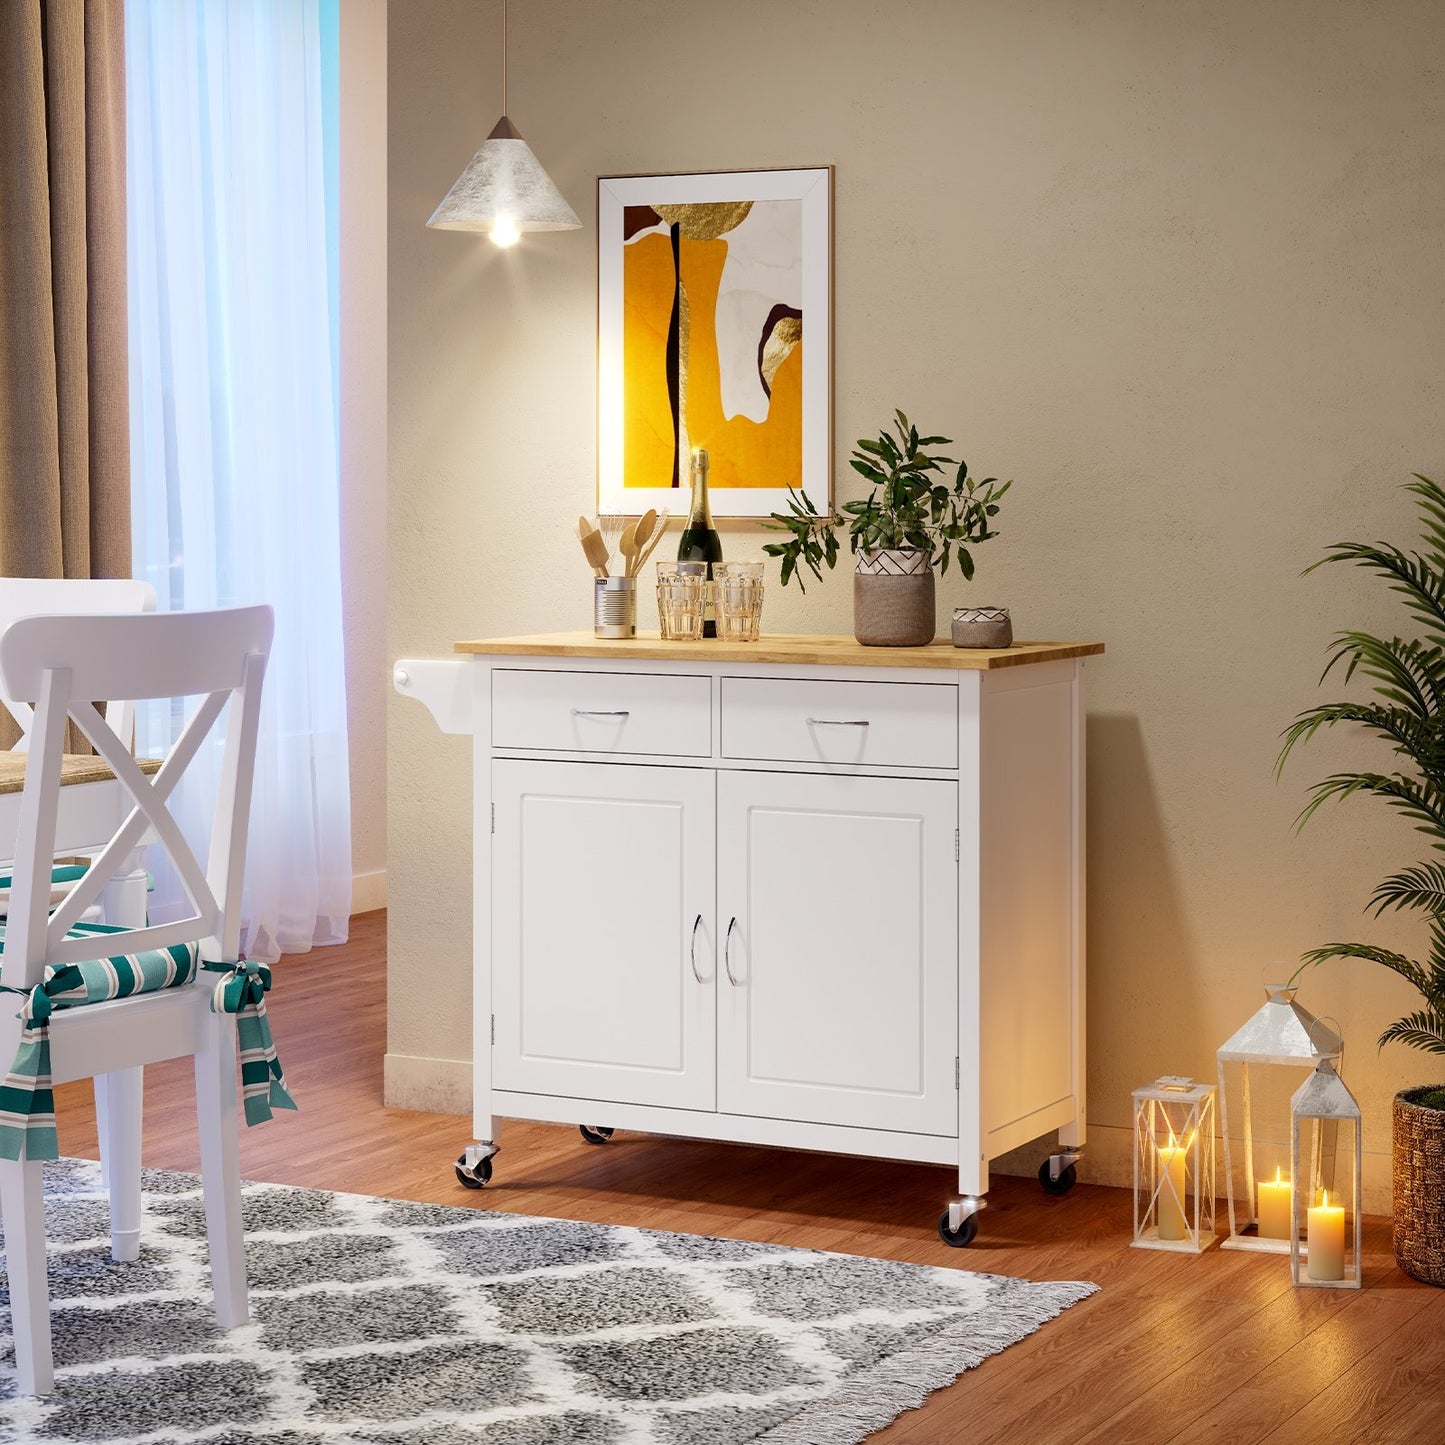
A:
(1060, 1186)
(594, 1136)
(473, 1178)
(965, 1234)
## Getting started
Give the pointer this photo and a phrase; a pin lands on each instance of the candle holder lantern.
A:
(1326, 1227)
(1281, 1035)
(1174, 1165)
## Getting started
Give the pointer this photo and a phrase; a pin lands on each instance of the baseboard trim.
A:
(432, 1086)
(368, 891)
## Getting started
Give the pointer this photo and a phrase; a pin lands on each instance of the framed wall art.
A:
(714, 321)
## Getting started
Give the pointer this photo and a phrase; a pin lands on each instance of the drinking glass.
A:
(739, 587)
(681, 592)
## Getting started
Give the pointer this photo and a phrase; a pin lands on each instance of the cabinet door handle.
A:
(598, 712)
(836, 722)
(692, 949)
(728, 953)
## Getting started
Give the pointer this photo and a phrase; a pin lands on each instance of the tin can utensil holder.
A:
(614, 607)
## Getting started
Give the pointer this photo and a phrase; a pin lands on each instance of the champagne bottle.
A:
(700, 541)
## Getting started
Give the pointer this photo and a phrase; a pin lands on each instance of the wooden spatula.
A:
(595, 550)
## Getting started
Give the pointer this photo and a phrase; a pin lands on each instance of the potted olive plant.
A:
(1408, 712)
(912, 521)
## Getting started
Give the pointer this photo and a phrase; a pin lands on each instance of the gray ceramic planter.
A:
(893, 598)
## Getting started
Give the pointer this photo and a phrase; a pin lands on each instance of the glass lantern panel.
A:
(1266, 1146)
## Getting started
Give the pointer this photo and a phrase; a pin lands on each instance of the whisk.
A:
(610, 524)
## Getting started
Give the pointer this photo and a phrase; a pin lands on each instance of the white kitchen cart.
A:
(797, 892)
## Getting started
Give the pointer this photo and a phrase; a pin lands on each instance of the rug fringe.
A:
(870, 1399)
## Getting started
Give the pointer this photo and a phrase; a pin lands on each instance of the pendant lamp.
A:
(504, 190)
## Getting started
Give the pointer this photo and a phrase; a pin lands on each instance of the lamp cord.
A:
(504, 57)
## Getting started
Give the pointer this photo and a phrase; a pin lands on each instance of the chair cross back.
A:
(61, 666)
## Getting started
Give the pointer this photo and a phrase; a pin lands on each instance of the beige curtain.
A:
(64, 430)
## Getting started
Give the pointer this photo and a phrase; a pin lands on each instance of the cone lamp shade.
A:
(504, 187)
(504, 190)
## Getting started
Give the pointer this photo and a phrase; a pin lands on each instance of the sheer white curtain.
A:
(233, 430)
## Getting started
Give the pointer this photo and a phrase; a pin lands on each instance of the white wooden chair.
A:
(61, 666)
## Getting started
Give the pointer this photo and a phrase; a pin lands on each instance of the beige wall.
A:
(1176, 269)
(363, 182)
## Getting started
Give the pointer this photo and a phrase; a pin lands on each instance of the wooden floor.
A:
(1207, 1350)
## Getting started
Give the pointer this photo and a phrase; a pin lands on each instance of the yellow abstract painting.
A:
(714, 331)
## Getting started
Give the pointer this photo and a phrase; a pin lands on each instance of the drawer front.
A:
(885, 724)
(602, 712)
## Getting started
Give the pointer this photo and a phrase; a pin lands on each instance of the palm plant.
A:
(1408, 677)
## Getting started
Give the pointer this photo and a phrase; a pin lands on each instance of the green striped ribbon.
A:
(242, 990)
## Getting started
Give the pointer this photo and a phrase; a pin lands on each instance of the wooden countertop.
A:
(74, 768)
(811, 651)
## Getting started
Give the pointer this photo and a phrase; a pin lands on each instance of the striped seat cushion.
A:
(27, 1103)
(116, 975)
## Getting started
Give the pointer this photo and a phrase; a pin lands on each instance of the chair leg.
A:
(22, 1208)
(118, 1097)
(221, 1168)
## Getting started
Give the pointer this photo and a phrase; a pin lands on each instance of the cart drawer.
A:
(602, 712)
(885, 724)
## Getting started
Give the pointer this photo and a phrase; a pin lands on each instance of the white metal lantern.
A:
(1174, 1165)
(1326, 1226)
(1281, 1034)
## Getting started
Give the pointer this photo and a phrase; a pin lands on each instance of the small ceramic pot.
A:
(982, 627)
(893, 598)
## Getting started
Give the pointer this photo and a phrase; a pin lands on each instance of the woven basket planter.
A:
(1419, 1188)
(893, 598)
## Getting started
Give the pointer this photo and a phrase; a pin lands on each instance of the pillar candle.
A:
(1276, 1199)
(1172, 1223)
(1327, 1240)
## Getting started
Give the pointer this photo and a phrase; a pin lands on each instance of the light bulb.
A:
(505, 232)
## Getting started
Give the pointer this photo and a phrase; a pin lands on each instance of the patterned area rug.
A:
(407, 1324)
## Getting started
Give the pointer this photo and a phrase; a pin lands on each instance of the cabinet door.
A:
(603, 980)
(838, 995)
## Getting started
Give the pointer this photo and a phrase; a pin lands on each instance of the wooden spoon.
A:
(649, 543)
(628, 547)
(645, 523)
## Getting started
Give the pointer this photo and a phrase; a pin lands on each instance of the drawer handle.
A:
(599, 712)
(692, 949)
(728, 953)
(837, 722)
